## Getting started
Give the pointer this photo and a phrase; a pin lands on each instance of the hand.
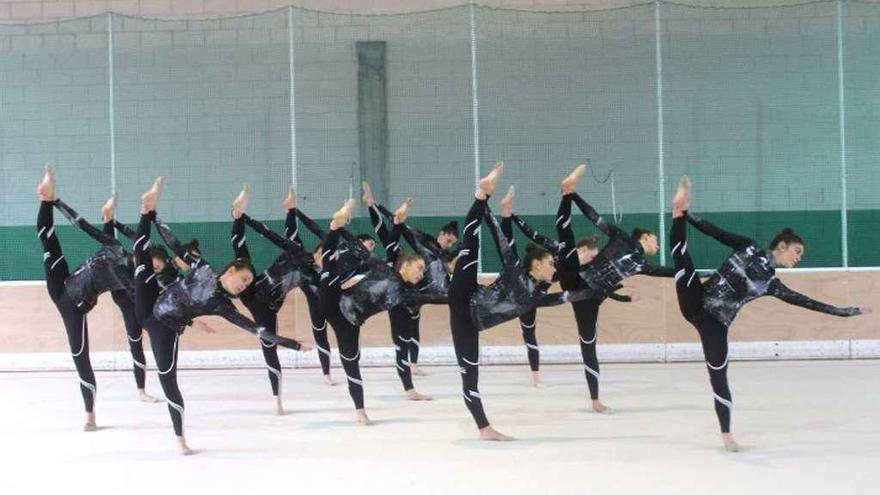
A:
(305, 347)
(866, 310)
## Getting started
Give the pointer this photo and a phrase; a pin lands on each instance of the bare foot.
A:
(368, 198)
(600, 408)
(360, 417)
(90, 422)
(279, 406)
(329, 381)
(290, 200)
(143, 396)
(239, 204)
(150, 198)
(411, 394)
(417, 370)
(569, 184)
(507, 203)
(492, 435)
(184, 448)
(490, 182)
(537, 380)
(402, 213)
(682, 199)
(108, 211)
(46, 188)
(342, 216)
(730, 444)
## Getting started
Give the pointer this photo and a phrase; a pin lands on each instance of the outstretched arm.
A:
(192, 259)
(557, 298)
(92, 231)
(780, 291)
(310, 224)
(505, 251)
(552, 245)
(410, 236)
(125, 230)
(609, 229)
(734, 241)
(272, 236)
(228, 312)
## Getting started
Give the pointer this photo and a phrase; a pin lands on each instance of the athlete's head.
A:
(539, 262)
(588, 248)
(237, 276)
(410, 266)
(788, 248)
(448, 235)
(647, 239)
(368, 242)
(160, 257)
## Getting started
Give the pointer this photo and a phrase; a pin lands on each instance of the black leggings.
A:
(266, 317)
(347, 335)
(75, 323)
(319, 330)
(135, 335)
(401, 323)
(586, 313)
(415, 318)
(465, 334)
(348, 340)
(527, 324)
(528, 320)
(163, 340)
(713, 333)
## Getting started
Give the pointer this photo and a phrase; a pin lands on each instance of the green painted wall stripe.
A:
(21, 255)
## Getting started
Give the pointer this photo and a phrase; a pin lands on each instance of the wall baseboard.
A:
(490, 355)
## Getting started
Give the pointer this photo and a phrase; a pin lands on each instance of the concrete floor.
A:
(805, 427)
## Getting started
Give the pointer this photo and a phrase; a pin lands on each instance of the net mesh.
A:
(750, 108)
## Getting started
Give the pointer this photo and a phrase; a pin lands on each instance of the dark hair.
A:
(406, 257)
(591, 242)
(239, 264)
(192, 245)
(450, 228)
(534, 253)
(637, 234)
(366, 237)
(159, 252)
(787, 236)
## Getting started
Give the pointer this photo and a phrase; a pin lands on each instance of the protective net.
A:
(772, 111)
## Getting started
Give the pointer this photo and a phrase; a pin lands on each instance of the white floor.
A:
(806, 427)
